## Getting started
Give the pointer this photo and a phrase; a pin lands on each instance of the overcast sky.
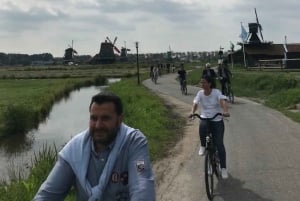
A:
(39, 26)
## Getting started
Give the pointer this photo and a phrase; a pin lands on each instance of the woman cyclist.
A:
(212, 102)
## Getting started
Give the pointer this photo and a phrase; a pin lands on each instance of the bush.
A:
(17, 119)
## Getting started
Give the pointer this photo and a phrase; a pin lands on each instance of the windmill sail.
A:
(259, 25)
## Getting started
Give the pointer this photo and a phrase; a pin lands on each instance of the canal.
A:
(68, 117)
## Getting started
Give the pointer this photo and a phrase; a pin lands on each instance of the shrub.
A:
(17, 119)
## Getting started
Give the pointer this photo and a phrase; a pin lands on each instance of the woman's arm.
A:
(224, 107)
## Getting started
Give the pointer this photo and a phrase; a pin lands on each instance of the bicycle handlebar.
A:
(209, 119)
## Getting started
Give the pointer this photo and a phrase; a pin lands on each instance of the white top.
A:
(210, 105)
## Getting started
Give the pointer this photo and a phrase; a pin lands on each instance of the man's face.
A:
(104, 123)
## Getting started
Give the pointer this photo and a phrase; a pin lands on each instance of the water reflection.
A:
(16, 143)
(67, 118)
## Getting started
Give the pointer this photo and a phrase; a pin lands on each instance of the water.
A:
(67, 118)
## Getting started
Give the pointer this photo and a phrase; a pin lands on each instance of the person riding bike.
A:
(212, 102)
(155, 73)
(181, 75)
(208, 71)
(224, 76)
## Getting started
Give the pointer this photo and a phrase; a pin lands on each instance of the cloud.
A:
(185, 25)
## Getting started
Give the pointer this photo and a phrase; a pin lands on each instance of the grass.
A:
(279, 90)
(145, 111)
(28, 101)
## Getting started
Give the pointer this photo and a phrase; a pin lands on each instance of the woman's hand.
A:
(226, 114)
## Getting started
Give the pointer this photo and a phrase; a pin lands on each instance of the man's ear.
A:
(120, 119)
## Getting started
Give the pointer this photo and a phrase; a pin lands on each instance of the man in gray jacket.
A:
(109, 161)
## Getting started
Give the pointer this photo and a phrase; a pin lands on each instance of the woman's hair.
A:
(210, 80)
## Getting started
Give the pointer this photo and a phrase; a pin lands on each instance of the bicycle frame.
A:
(183, 87)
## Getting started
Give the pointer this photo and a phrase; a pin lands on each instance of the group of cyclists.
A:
(223, 74)
(212, 101)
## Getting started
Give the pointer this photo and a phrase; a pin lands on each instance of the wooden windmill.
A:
(69, 55)
(108, 51)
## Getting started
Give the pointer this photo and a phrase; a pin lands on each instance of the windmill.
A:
(169, 54)
(107, 51)
(124, 50)
(253, 30)
(69, 55)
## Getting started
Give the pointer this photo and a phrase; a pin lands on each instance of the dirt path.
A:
(167, 170)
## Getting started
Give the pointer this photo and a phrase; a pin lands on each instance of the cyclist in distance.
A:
(224, 75)
(208, 71)
(181, 74)
(108, 161)
(212, 102)
(155, 73)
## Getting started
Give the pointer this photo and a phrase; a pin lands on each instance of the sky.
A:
(50, 26)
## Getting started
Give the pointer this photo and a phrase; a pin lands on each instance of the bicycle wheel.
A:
(217, 165)
(184, 88)
(209, 176)
(230, 94)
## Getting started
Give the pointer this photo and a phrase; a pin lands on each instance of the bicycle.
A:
(212, 162)
(155, 77)
(229, 92)
(183, 87)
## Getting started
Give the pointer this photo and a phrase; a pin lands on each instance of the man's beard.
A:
(110, 136)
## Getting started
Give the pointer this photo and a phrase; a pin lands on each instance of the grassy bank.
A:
(62, 71)
(27, 102)
(143, 110)
(276, 89)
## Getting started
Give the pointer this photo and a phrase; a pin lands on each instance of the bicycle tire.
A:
(155, 79)
(184, 90)
(209, 177)
(217, 165)
(230, 95)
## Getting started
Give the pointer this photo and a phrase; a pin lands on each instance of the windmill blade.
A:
(108, 40)
(117, 50)
(259, 25)
(115, 40)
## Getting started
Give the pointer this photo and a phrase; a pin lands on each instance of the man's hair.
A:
(108, 97)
